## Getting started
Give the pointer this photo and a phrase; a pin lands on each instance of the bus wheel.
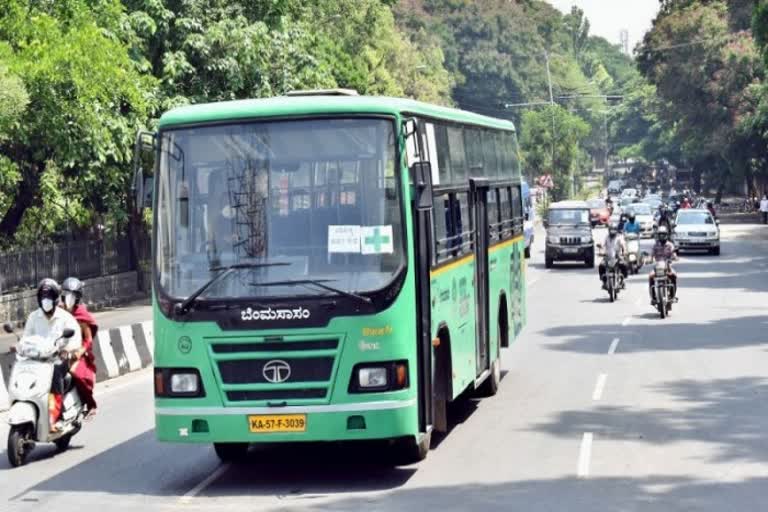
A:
(410, 450)
(231, 452)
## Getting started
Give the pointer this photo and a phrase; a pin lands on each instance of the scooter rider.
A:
(631, 226)
(663, 251)
(614, 246)
(49, 320)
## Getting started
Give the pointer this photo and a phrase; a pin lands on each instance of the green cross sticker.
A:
(376, 239)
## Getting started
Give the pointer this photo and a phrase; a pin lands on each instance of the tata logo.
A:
(276, 371)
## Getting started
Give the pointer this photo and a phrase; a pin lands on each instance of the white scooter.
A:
(634, 258)
(28, 390)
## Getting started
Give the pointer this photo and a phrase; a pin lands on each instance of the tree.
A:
(86, 100)
(555, 152)
(706, 71)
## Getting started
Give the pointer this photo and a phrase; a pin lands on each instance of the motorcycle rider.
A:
(665, 217)
(83, 370)
(614, 245)
(49, 321)
(663, 250)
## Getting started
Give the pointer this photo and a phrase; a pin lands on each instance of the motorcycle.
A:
(634, 259)
(662, 285)
(614, 278)
(28, 390)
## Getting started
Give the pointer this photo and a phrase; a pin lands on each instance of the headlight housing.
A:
(553, 239)
(378, 377)
(178, 382)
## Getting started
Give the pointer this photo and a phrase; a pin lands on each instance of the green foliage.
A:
(552, 140)
(707, 73)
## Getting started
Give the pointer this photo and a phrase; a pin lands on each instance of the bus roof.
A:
(319, 105)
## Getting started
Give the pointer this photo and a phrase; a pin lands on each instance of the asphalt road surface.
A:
(602, 407)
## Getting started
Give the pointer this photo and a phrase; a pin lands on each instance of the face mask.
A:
(47, 305)
(69, 300)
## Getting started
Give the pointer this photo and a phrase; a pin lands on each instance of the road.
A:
(602, 407)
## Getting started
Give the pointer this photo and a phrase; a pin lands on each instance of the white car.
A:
(696, 229)
(629, 192)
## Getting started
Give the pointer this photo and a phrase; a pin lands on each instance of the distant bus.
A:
(330, 267)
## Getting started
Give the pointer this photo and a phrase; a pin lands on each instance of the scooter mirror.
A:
(68, 333)
(7, 327)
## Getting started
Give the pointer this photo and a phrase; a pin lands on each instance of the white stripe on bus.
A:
(291, 409)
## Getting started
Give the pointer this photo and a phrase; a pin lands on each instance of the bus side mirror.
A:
(422, 177)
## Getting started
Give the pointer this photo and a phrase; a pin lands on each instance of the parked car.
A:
(629, 192)
(696, 229)
(598, 212)
(569, 234)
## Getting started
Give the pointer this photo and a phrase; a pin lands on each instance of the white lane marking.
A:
(614, 344)
(585, 454)
(190, 495)
(129, 346)
(639, 301)
(533, 281)
(626, 321)
(599, 386)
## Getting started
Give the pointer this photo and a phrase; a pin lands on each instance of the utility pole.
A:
(552, 109)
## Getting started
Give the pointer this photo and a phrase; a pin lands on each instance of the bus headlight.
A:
(372, 377)
(184, 383)
(378, 377)
(178, 382)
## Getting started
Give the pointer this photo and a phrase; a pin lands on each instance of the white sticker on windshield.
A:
(344, 239)
(376, 240)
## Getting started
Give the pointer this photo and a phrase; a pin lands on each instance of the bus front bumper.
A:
(335, 422)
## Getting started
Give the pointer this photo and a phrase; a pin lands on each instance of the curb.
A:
(118, 351)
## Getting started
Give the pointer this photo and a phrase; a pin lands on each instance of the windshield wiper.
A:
(184, 307)
(320, 284)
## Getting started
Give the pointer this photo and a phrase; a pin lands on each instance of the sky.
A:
(608, 17)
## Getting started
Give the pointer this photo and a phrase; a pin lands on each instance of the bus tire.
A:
(411, 450)
(231, 452)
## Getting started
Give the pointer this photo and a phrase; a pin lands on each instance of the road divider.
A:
(118, 351)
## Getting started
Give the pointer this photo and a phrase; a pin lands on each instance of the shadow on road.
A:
(731, 415)
(565, 494)
(718, 334)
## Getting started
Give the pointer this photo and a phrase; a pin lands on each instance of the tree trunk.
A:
(28, 194)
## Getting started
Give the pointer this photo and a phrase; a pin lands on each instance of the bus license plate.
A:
(278, 423)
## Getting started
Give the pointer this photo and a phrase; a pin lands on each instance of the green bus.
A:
(329, 267)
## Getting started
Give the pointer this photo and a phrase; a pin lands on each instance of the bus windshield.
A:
(286, 202)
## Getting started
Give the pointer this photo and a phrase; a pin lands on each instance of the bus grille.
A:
(252, 371)
(275, 369)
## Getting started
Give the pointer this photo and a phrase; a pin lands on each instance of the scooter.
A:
(634, 259)
(28, 390)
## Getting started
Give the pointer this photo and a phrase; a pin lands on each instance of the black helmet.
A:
(662, 234)
(613, 230)
(48, 289)
(631, 217)
(74, 286)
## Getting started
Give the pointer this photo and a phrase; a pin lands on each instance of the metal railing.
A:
(84, 259)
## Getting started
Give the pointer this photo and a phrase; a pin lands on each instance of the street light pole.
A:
(552, 108)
